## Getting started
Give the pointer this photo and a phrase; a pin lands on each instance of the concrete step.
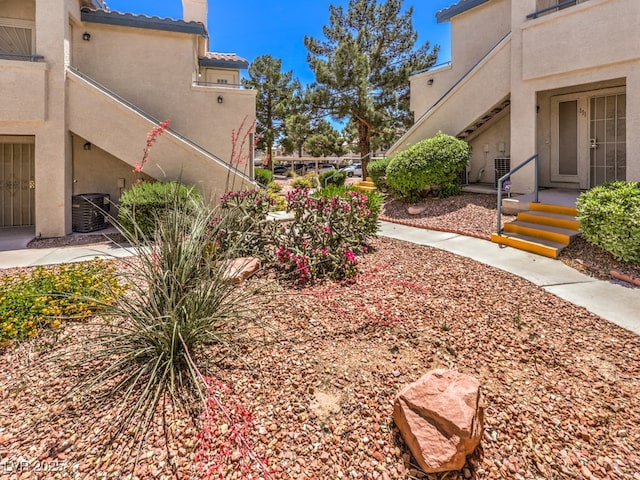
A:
(550, 219)
(556, 209)
(546, 248)
(543, 232)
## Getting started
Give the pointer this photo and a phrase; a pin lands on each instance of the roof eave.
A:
(142, 21)
(218, 63)
(462, 6)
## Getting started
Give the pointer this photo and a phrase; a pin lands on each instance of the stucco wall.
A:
(155, 70)
(20, 9)
(473, 34)
(23, 91)
(96, 171)
(493, 138)
(585, 36)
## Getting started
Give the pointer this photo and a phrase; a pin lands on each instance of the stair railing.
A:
(503, 178)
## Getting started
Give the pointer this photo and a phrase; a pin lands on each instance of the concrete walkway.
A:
(611, 301)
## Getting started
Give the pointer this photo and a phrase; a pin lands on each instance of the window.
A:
(15, 40)
(222, 81)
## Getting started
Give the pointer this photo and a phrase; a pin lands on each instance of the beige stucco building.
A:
(82, 86)
(560, 79)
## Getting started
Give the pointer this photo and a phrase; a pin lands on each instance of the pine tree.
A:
(275, 90)
(362, 69)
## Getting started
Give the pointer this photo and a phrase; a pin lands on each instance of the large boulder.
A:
(441, 419)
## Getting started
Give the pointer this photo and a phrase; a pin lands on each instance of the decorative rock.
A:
(441, 419)
(416, 209)
(241, 268)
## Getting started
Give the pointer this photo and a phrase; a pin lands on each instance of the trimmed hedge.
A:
(430, 165)
(263, 176)
(332, 177)
(377, 170)
(610, 218)
(144, 203)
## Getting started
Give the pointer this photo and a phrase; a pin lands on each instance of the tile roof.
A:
(111, 17)
(223, 60)
(457, 8)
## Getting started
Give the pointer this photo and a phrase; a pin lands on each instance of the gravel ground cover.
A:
(475, 215)
(317, 387)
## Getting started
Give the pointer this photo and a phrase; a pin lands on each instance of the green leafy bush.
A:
(308, 181)
(274, 187)
(243, 224)
(332, 177)
(263, 176)
(377, 170)
(145, 203)
(434, 162)
(49, 295)
(610, 218)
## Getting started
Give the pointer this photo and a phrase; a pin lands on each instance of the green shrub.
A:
(263, 176)
(308, 181)
(274, 187)
(434, 162)
(243, 223)
(145, 203)
(279, 203)
(332, 177)
(49, 295)
(610, 218)
(377, 170)
(290, 174)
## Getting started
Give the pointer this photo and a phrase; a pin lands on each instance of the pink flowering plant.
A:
(326, 235)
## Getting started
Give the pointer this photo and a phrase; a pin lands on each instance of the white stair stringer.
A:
(480, 90)
(119, 128)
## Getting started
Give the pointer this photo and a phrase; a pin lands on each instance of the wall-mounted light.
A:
(87, 146)
(86, 36)
(220, 99)
(430, 81)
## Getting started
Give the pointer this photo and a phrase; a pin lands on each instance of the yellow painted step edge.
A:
(552, 222)
(559, 209)
(538, 233)
(520, 244)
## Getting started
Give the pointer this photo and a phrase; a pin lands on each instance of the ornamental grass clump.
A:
(147, 357)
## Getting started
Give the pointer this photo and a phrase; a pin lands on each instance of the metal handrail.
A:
(31, 58)
(565, 3)
(237, 86)
(501, 180)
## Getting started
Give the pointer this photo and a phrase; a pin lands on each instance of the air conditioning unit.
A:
(88, 212)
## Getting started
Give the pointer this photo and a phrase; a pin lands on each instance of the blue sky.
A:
(252, 28)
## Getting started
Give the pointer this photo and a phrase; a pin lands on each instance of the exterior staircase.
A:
(543, 229)
(366, 185)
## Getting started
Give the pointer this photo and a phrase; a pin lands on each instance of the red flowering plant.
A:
(225, 443)
(152, 138)
(326, 235)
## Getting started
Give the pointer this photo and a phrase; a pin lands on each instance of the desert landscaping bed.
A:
(560, 385)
